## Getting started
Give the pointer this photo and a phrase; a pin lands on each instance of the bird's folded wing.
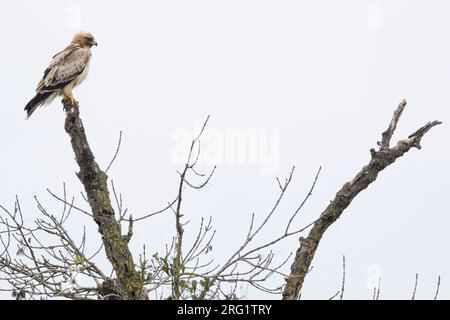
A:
(65, 67)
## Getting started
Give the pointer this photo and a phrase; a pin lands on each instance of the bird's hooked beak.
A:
(94, 43)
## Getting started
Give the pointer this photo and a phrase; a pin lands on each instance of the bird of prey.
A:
(66, 71)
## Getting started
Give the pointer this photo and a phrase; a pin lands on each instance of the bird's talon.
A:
(70, 101)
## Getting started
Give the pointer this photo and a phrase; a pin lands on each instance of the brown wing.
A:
(65, 67)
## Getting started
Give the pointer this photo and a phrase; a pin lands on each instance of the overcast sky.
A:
(310, 82)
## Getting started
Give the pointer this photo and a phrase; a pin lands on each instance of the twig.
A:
(304, 200)
(116, 153)
(415, 287)
(335, 295)
(343, 278)
(437, 288)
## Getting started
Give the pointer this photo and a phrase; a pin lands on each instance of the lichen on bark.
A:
(128, 283)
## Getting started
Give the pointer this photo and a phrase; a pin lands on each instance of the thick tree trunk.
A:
(128, 283)
(379, 161)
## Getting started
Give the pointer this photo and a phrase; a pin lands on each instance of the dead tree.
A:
(42, 266)
(37, 260)
(380, 159)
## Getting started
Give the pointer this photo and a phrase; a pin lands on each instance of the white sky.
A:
(317, 81)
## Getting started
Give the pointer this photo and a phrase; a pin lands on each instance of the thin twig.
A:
(116, 153)
(343, 278)
(415, 287)
(437, 288)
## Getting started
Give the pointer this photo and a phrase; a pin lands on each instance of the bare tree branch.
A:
(380, 159)
(437, 288)
(415, 286)
(119, 144)
(42, 260)
(343, 278)
(94, 181)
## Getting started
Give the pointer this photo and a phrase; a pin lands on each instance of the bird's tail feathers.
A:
(39, 100)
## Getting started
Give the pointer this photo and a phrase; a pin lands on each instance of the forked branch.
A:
(380, 159)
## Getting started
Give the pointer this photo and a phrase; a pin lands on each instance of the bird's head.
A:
(84, 39)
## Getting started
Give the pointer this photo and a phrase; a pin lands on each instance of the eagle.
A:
(66, 71)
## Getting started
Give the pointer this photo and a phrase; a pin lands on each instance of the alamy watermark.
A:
(73, 21)
(374, 19)
(253, 147)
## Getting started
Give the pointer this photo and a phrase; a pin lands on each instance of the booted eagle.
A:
(67, 70)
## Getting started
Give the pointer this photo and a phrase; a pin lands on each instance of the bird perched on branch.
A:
(66, 71)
